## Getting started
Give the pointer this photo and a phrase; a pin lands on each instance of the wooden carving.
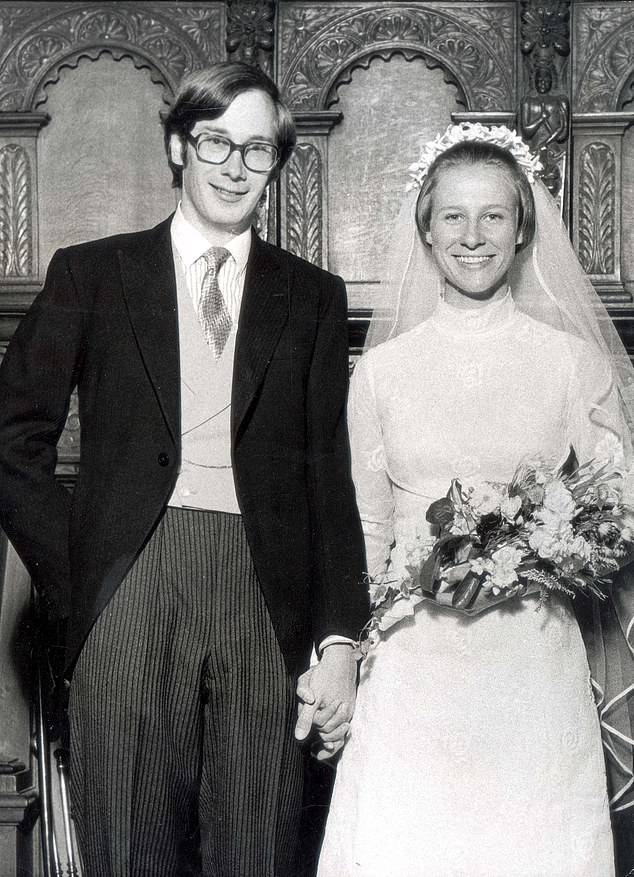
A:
(304, 203)
(604, 53)
(544, 113)
(250, 32)
(597, 200)
(475, 46)
(170, 40)
(15, 212)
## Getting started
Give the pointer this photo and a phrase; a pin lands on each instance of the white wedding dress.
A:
(475, 748)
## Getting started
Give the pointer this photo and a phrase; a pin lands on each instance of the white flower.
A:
(484, 498)
(558, 499)
(417, 551)
(480, 565)
(461, 526)
(505, 563)
(509, 507)
(610, 450)
(468, 131)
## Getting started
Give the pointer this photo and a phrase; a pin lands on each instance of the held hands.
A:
(327, 693)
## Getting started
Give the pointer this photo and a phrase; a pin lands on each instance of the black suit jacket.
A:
(106, 323)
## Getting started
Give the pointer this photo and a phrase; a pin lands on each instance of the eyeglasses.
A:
(257, 156)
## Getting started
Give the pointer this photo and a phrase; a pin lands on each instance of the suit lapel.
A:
(263, 314)
(149, 288)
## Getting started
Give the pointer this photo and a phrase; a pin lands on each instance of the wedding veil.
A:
(546, 280)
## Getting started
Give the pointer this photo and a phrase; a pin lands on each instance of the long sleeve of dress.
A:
(596, 426)
(372, 483)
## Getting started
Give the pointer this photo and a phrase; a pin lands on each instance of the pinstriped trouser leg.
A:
(182, 710)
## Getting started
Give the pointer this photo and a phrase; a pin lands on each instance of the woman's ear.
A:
(428, 237)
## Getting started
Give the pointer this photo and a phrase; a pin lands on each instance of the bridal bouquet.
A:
(563, 529)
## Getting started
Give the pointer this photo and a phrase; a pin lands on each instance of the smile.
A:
(473, 260)
(228, 194)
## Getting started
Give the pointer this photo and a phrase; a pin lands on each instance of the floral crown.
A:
(467, 131)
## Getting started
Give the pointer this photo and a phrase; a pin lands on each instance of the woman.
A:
(476, 746)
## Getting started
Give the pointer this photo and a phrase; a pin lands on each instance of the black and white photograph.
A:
(317, 438)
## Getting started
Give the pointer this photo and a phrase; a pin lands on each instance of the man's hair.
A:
(207, 93)
(471, 153)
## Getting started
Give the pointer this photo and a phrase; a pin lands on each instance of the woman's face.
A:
(473, 231)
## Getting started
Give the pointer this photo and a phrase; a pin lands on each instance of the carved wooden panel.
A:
(322, 43)
(369, 154)
(304, 203)
(101, 155)
(604, 55)
(597, 190)
(251, 33)
(170, 39)
(16, 192)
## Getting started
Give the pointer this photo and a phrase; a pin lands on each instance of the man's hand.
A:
(327, 693)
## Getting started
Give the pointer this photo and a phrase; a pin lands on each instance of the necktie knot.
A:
(215, 257)
(213, 313)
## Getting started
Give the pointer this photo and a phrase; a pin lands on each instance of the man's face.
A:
(220, 200)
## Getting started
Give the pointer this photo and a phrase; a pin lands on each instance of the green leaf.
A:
(570, 465)
(467, 591)
(429, 571)
(440, 512)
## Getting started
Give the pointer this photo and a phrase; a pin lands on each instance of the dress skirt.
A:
(475, 752)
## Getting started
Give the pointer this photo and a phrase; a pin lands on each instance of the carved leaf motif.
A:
(304, 203)
(15, 213)
(180, 37)
(202, 25)
(38, 52)
(604, 53)
(398, 26)
(497, 28)
(170, 52)
(298, 25)
(597, 186)
(104, 25)
(359, 33)
(332, 52)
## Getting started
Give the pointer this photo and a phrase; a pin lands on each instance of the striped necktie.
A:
(213, 313)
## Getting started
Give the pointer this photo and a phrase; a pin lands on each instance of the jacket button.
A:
(163, 460)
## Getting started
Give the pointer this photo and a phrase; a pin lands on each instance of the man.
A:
(212, 536)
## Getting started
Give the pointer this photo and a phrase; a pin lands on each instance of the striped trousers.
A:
(181, 715)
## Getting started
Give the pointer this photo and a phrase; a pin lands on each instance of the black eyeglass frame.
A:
(240, 147)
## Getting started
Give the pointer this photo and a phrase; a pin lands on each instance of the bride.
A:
(476, 745)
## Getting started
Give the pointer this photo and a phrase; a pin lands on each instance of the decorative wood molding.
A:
(316, 122)
(597, 209)
(604, 56)
(16, 219)
(304, 203)
(169, 40)
(475, 46)
(251, 33)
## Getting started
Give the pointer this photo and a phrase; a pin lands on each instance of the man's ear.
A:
(176, 150)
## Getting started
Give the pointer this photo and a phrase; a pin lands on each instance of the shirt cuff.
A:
(335, 639)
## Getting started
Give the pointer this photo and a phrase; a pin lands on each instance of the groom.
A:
(212, 537)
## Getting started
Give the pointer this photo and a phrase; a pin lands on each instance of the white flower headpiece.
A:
(497, 134)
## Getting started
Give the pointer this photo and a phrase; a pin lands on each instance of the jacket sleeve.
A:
(340, 602)
(37, 377)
